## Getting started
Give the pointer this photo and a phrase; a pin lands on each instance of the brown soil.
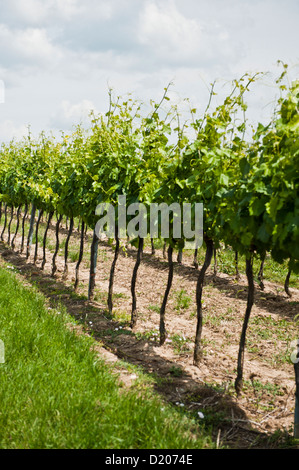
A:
(263, 416)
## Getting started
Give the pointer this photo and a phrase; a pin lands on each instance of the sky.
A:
(59, 58)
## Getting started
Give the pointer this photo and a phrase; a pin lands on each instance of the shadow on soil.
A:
(274, 303)
(228, 422)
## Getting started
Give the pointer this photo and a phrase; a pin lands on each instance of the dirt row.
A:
(263, 415)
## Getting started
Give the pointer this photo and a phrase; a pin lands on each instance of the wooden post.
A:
(5, 222)
(199, 289)
(40, 214)
(17, 227)
(54, 267)
(250, 301)
(80, 255)
(23, 227)
(45, 239)
(112, 272)
(134, 313)
(93, 265)
(163, 333)
(30, 233)
(295, 360)
(66, 248)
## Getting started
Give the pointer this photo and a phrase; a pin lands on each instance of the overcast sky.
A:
(59, 57)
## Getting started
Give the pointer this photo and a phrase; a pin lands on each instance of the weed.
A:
(181, 344)
(176, 371)
(183, 300)
(154, 308)
(151, 335)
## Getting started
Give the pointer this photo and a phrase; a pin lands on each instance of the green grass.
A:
(155, 308)
(183, 300)
(56, 393)
(181, 344)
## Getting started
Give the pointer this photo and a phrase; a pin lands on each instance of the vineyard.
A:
(184, 315)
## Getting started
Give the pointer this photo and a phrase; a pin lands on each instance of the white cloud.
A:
(77, 111)
(31, 11)
(58, 57)
(34, 44)
(27, 46)
(37, 12)
(67, 8)
(12, 131)
(167, 31)
(70, 114)
(2, 92)
(178, 40)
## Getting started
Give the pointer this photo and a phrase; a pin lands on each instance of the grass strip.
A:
(56, 393)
